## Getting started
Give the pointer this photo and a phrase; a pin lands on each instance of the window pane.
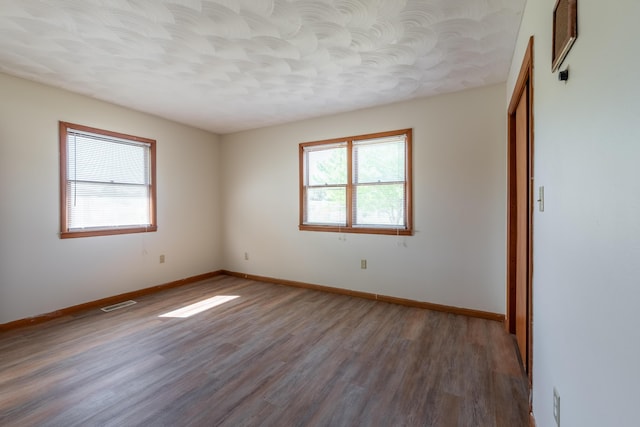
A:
(326, 205)
(106, 205)
(379, 205)
(379, 162)
(327, 166)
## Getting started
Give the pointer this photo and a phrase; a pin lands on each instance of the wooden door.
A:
(522, 225)
(520, 214)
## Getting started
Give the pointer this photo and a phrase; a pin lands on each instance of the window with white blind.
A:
(359, 184)
(107, 182)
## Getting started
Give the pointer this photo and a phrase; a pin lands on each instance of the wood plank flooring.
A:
(274, 356)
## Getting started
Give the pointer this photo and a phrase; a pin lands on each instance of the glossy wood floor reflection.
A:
(274, 356)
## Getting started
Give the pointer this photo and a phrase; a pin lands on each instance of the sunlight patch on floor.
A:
(200, 306)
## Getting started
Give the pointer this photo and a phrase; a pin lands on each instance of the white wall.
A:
(587, 242)
(457, 255)
(39, 272)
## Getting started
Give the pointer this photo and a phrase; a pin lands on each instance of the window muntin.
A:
(107, 182)
(359, 184)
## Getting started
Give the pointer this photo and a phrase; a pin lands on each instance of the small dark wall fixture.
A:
(563, 75)
(565, 31)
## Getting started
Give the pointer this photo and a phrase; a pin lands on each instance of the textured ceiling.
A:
(229, 65)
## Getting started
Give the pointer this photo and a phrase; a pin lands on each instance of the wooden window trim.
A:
(349, 228)
(65, 233)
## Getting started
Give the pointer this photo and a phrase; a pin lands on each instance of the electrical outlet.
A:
(246, 256)
(556, 406)
(363, 264)
(161, 259)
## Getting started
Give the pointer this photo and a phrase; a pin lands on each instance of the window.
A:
(107, 182)
(359, 184)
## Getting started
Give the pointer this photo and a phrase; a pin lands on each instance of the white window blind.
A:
(108, 182)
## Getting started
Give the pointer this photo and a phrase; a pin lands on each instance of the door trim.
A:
(524, 82)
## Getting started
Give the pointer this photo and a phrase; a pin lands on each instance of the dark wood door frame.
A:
(523, 83)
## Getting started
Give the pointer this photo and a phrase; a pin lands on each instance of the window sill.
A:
(106, 232)
(356, 230)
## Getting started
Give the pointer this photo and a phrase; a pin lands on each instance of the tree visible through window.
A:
(107, 182)
(358, 184)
